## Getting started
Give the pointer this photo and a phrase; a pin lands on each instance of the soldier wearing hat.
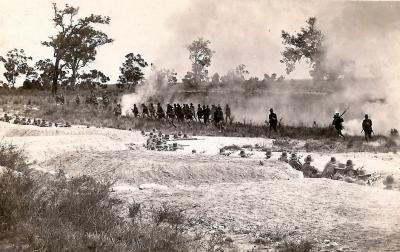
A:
(367, 127)
(308, 170)
(294, 162)
(135, 111)
(268, 154)
(338, 124)
(349, 170)
(160, 111)
(272, 120)
(329, 170)
(283, 157)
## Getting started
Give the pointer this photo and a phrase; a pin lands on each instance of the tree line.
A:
(77, 40)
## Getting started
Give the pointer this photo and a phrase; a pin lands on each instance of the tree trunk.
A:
(73, 77)
(55, 76)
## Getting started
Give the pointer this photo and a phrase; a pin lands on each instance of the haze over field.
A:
(241, 32)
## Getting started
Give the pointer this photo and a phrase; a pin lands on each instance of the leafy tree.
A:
(15, 63)
(309, 45)
(76, 41)
(131, 70)
(200, 55)
(94, 78)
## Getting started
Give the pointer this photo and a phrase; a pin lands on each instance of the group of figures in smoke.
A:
(366, 125)
(184, 112)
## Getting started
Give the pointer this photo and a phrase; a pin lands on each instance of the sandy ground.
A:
(237, 196)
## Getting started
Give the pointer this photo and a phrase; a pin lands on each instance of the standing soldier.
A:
(273, 120)
(338, 124)
(199, 112)
(178, 112)
(367, 127)
(206, 114)
(145, 111)
(227, 113)
(212, 112)
(135, 111)
(160, 111)
(170, 112)
(193, 111)
(152, 110)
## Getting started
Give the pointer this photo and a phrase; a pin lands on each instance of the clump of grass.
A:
(296, 246)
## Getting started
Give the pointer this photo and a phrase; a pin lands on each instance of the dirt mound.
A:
(140, 166)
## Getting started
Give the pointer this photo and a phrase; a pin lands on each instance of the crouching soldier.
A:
(308, 170)
(294, 162)
(329, 170)
(283, 157)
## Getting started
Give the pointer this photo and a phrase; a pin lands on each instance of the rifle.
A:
(344, 111)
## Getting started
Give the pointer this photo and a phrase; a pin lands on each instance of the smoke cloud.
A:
(365, 33)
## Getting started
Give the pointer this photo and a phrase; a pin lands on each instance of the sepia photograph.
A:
(199, 126)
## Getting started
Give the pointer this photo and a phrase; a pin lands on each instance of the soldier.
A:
(283, 157)
(308, 170)
(349, 170)
(273, 120)
(199, 112)
(268, 153)
(227, 113)
(179, 113)
(193, 111)
(367, 128)
(145, 111)
(206, 114)
(294, 162)
(338, 124)
(330, 169)
(152, 110)
(135, 111)
(170, 111)
(212, 112)
(160, 111)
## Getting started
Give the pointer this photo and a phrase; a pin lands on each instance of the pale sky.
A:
(241, 32)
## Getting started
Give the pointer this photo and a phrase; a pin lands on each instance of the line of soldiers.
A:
(29, 121)
(184, 112)
(332, 170)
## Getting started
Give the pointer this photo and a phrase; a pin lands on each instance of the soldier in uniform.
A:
(179, 113)
(349, 170)
(199, 112)
(193, 111)
(160, 111)
(283, 157)
(170, 112)
(272, 120)
(308, 170)
(329, 170)
(145, 111)
(152, 110)
(294, 162)
(227, 113)
(135, 111)
(338, 124)
(367, 127)
(206, 114)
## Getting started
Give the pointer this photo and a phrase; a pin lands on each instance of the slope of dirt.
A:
(141, 166)
(357, 218)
